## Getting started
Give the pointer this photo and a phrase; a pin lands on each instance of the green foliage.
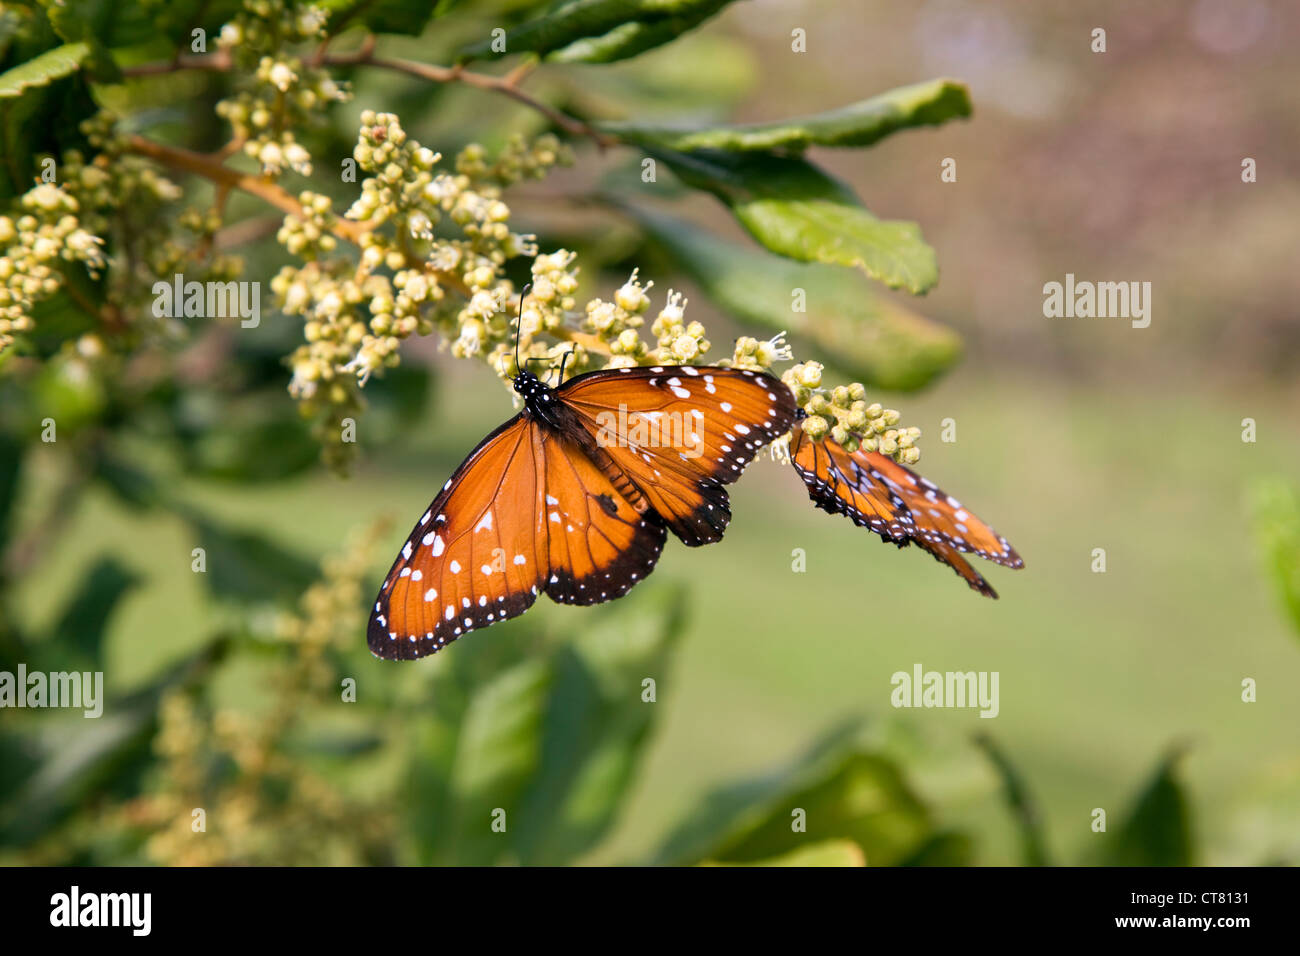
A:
(550, 742)
(602, 30)
(826, 853)
(1157, 830)
(1020, 802)
(43, 69)
(799, 211)
(409, 17)
(863, 334)
(838, 791)
(859, 124)
(1276, 507)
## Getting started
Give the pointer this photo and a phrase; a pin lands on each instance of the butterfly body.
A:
(575, 496)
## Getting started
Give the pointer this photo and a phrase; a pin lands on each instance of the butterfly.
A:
(575, 496)
(902, 507)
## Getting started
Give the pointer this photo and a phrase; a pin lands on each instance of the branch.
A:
(260, 186)
(221, 62)
(506, 86)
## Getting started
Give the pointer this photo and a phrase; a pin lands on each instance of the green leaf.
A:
(11, 459)
(109, 23)
(77, 639)
(629, 39)
(798, 211)
(1021, 802)
(269, 449)
(597, 725)
(74, 758)
(43, 69)
(408, 17)
(851, 794)
(246, 567)
(859, 124)
(498, 752)
(132, 486)
(10, 25)
(945, 848)
(705, 74)
(1275, 505)
(99, 24)
(1157, 831)
(434, 735)
(553, 741)
(829, 853)
(874, 339)
(575, 20)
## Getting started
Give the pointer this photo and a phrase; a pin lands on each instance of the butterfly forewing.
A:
(840, 484)
(475, 557)
(680, 433)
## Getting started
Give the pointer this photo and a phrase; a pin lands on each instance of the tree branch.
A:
(508, 85)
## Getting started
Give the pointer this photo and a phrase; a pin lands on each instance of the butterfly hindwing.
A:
(898, 504)
(938, 516)
(950, 556)
(680, 433)
(600, 546)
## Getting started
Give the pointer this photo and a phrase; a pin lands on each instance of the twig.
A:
(224, 176)
(507, 85)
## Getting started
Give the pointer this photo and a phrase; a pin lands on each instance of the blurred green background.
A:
(1072, 434)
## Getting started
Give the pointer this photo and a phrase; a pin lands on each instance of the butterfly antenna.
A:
(564, 360)
(519, 326)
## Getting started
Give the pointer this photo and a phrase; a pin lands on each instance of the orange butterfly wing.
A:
(527, 511)
(599, 544)
(898, 504)
(940, 517)
(680, 433)
(950, 556)
(475, 557)
(840, 483)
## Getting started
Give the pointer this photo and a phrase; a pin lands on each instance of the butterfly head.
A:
(536, 393)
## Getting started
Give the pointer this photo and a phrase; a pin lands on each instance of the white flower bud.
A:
(282, 77)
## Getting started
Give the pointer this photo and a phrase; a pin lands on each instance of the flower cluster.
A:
(58, 224)
(410, 280)
(840, 412)
(46, 232)
(283, 93)
(434, 245)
